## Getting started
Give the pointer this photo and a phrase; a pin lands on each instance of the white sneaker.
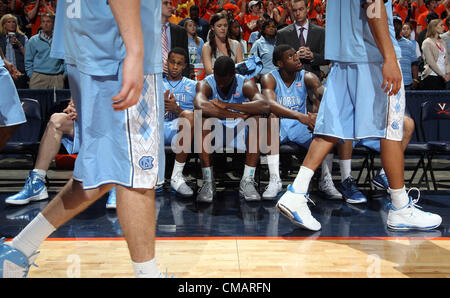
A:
(326, 186)
(411, 218)
(273, 188)
(178, 184)
(295, 207)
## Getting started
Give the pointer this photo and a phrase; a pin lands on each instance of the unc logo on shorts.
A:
(395, 125)
(146, 162)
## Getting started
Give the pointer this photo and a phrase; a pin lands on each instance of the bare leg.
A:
(6, 133)
(393, 162)
(59, 124)
(408, 130)
(252, 156)
(186, 135)
(345, 150)
(136, 210)
(318, 150)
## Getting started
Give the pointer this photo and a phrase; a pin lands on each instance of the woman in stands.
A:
(195, 43)
(437, 69)
(235, 32)
(219, 44)
(13, 42)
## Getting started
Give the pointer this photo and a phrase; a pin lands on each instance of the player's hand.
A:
(307, 120)
(170, 103)
(220, 104)
(392, 77)
(71, 111)
(132, 83)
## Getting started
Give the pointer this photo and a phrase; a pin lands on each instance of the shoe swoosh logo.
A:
(38, 190)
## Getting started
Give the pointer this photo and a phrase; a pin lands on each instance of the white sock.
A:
(249, 172)
(207, 174)
(29, 240)
(382, 172)
(301, 182)
(41, 173)
(177, 168)
(399, 197)
(273, 163)
(147, 269)
(327, 167)
(346, 168)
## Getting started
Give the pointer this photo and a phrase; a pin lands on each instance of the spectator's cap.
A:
(432, 16)
(397, 19)
(253, 3)
(250, 68)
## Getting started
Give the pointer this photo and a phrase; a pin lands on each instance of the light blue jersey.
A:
(348, 36)
(92, 41)
(184, 93)
(235, 95)
(294, 96)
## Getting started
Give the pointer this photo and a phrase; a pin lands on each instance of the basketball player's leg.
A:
(6, 133)
(275, 185)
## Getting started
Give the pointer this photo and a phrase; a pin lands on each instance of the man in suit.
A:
(176, 35)
(308, 39)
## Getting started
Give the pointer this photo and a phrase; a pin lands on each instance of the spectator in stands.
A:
(219, 44)
(44, 72)
(283, 13)
(202, 26)
(422, 35)
(407, 31)
(248, 19)
(437, 69)
(255, 35)
(173, 36)
(235, 33)
(61, 129)
(408, 61)
(306, 38)
(35, 9)
(446, 38)
(13, 42)
(232, 99)
(264, 46)
(179, 95)
(269, 9)
(195, 43)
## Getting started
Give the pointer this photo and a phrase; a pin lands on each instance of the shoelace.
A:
(414, 201)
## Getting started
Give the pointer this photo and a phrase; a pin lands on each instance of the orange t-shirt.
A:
(36, 24)
(288, 17)
(401, 10)
(247, 19)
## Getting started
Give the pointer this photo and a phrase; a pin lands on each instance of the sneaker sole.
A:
(288, 213)
(179, 194)
(265, 198)
(241, 195)
(351, 201)
(39, 197)
(330, 197)
(411, 228)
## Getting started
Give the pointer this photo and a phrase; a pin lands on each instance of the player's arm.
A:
(170, 103)
(315, 89)
(269, 84)
(208, 108)
(257, 104)
(392, 76)
(128, 18)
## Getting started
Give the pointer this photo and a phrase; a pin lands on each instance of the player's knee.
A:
(408, 126)
(57, 120)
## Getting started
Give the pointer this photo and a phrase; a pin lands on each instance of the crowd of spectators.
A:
(215, 28)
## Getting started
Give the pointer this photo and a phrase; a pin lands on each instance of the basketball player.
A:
(61, 129)
(287, 88)
(179, 95)
(231, 98)
(11, 112)
(364, 98)
(113, 80)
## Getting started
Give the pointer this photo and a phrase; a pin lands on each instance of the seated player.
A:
(231, 98)
(179, 103)
(11, 111)
(287, 88)
(61, 128)
(380, 180)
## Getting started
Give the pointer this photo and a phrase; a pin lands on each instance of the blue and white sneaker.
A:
(351, 193)
(33, 190)
(111, 202)
(381, 181)
(295, 207)
(13, 263)
(410, 217)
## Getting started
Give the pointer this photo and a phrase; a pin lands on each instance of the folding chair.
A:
(439, 112)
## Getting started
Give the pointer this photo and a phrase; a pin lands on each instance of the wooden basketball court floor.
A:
(231, 238)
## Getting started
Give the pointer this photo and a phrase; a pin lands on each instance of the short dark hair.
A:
(179, 51)
(279, 51)
(224, 66)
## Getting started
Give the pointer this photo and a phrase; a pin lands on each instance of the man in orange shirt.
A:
(432, 6)
(35, 8)
(249, 20)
